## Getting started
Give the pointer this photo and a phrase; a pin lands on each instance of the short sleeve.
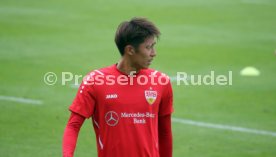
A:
(84, 102)
(166, 104)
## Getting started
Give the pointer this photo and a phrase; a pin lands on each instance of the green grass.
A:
(197, 36)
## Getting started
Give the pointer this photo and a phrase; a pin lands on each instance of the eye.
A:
(150, 47)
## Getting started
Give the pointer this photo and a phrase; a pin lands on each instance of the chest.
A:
(129, 98)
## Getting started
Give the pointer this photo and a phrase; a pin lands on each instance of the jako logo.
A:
(111, 96)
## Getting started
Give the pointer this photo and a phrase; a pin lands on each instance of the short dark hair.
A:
(134, 32)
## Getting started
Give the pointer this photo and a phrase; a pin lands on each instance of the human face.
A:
(144, 54)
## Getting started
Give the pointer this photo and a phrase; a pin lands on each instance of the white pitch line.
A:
(174, 78)
(21, 100)
(74, 85)
(224, 127)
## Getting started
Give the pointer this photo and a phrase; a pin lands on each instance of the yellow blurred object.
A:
(250, 71)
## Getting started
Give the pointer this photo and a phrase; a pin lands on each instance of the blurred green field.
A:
(198, 36)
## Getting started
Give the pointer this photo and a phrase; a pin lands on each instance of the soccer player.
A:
(130, 104)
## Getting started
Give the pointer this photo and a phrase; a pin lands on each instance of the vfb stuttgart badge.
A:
(150, 96)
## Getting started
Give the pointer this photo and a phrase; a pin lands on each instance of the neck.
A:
(125, 66)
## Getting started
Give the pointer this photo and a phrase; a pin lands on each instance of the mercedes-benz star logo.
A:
(111, 118)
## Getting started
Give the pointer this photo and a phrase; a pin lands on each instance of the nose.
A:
(153, 53)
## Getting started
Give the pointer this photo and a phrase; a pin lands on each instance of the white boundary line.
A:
(21, 100)
(223, 127)
(74, 85)
(174, 78)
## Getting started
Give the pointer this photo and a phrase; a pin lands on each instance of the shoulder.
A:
(101, 71)
(159, 77)
(156, 73)
(90, 78)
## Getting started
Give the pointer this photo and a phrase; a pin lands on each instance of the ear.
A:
(129, 50)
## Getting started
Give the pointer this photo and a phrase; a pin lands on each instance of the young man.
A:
(129, 103)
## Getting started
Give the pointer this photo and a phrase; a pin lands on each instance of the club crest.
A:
(150, 96)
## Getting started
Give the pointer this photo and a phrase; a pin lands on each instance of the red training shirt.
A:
(125, 110)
